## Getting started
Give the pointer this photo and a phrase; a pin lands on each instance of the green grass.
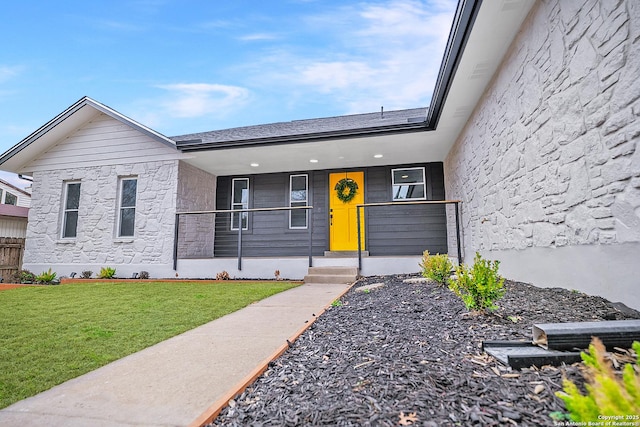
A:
(51, 334)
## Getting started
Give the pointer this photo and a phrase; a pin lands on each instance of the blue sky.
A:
(184, 66)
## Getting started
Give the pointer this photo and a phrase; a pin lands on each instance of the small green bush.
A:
(24, 276)
(608, 394)
(437, 267)
(107, 273)
(479, 287)
(46, 277)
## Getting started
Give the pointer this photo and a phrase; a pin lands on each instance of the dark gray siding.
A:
(405, 229)
(269, 233)
(397, 230)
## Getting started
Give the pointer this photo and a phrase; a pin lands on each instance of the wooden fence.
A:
(11, 251)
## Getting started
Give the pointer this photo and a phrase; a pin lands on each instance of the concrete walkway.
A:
(174, 382)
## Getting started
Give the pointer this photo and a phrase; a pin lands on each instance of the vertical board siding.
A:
(13, 227)
(397, 230)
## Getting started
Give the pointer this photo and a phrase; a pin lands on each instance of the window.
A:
(408, 184)
(71, 205)
(239, 200)
(127, 217)
(298, 196)
(10, 199)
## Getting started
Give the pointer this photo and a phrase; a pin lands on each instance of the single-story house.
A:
(532, 126)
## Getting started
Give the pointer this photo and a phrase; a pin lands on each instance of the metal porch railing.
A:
(396, 204)
(240, 230)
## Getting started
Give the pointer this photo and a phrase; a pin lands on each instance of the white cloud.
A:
(258, 37)
(189, 100)
(376, 54)
(7, 72)
(330, 76)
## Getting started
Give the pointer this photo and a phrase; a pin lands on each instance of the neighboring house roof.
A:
(15, 211)
(64, 123)
(298, 129)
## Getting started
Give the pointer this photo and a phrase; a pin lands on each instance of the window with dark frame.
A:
(408, 184)
(298, 196)
(71, 206)
(240, 200)
(10, 199)
(127, 217)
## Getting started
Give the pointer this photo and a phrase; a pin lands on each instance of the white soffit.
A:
(497, 24)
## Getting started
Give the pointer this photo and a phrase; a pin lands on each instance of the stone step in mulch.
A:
(411, 353)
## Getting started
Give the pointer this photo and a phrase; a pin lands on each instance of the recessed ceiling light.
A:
(378, 156)
(254, 165)
(313, 161)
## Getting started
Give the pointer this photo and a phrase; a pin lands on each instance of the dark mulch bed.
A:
(411, 348)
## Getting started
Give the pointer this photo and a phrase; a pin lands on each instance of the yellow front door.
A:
(343, 222)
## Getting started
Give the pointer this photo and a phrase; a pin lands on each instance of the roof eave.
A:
(197, 145)
(464, 18)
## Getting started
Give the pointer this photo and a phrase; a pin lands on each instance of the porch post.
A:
(458, 234)
(240, 239)
(175, 242)
(310, 227)
(359, 246)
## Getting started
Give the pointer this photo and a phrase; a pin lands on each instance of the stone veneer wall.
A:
(96, 244)
(196, 192)
(548, 167)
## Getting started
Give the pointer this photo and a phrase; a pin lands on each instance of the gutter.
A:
(198, 145)
(463, 21)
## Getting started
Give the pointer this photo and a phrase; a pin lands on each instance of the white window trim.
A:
(65, 200)
(120, 207)
(305, 201)
(423, 183)
(241, 205)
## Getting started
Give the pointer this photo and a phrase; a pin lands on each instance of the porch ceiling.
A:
(327, 154)
(493, 31)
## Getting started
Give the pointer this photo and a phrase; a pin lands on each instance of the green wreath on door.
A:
(346, 189)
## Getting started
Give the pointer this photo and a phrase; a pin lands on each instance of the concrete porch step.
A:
(332, 275)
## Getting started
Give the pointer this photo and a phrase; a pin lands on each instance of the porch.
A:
(380, 247)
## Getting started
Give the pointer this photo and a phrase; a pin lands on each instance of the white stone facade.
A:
(196, 192)
(548, 167)
(97, 244)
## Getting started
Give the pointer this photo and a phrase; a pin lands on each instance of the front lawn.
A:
(51, 334)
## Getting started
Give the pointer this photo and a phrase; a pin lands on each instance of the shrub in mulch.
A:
(410, 354)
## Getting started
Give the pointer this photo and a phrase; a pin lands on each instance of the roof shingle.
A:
(308, 126)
